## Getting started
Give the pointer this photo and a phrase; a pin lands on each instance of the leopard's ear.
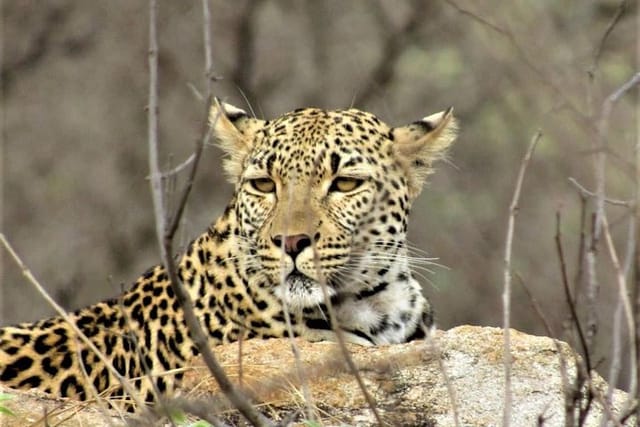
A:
(235, 133)
(418, 145)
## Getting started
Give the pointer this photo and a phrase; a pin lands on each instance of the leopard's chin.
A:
(300, 291)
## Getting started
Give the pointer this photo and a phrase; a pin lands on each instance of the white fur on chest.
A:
(388, 316)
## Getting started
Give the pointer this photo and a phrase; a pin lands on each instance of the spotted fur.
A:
(321, 198)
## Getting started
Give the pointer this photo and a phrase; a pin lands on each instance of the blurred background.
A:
(74, 87)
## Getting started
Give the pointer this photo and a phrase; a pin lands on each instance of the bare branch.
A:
(586, 193)
(522, 55)
(506, 295)
(432, 345)
(636, 264)
(209, 76)
(199, 408)
(300, 372)
(614, 21)
(63, 314)
(205, 135)
(335, 326)
(393, 47)
(616, 352)
(165, 234)
(569, 392)
(155, 176)
(600, 158)
(582, 373)
(342, 342)
(244, 70)
(177, 169)
(623, 295)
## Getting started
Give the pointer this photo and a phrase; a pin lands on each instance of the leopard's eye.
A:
(345, 184)
(263, 185)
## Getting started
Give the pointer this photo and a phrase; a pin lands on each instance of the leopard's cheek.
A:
(253, 214)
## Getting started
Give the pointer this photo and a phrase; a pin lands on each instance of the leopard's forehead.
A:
(311, 140)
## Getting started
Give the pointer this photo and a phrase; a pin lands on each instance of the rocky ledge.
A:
(457, 374)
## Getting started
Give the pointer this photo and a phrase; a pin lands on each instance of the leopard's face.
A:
(318, 191)
(322, 199)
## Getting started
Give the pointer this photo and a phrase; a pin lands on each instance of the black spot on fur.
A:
(40, 346)
(11, 371)
(318, 324)
(31, 382)
(370, 292)
(335, 163)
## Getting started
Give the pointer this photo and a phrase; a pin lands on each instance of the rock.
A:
(406, 381)
(35, 408)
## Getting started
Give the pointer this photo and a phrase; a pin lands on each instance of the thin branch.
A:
(623, 294)
(141, 355)
(630, 412)
(393, 46)
(342, 342)
(244, 69)
(571, 301)
(165, 234)
(637, 229)
(93, 391)
(155, 176)
(506, 295)
(335, 326)
(521, 54)
(432, 345)
(590, 194)
(616, 352)
(177, 169)
(300, 372)
(205, 136)
(582, 248)
(72, 324)
(626, 87)
(569, 392)
(208, 48)
(614, 21)
(600, 144)
(600, 160)
(581, 374)
(608, 416)
(199, 408)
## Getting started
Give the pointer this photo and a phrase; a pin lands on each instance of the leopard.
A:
(312, 243)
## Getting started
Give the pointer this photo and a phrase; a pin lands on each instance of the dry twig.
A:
(573, 395)
(568, 391)
(63, 314)
(432, 345)
(623, 295)
(393, 47)
(244, 70)
(600, 158)
(506, 295)
(165, 234)
(335, 325)
(590, 194)
(622, 6)
(600, 145)
(300, 372)
(524, 57)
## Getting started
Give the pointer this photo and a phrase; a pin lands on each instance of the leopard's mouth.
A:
(296, 281)
(299, 291)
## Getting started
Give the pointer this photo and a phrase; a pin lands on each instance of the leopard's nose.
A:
(293, 244)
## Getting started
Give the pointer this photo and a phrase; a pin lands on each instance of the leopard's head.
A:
(323, 197)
